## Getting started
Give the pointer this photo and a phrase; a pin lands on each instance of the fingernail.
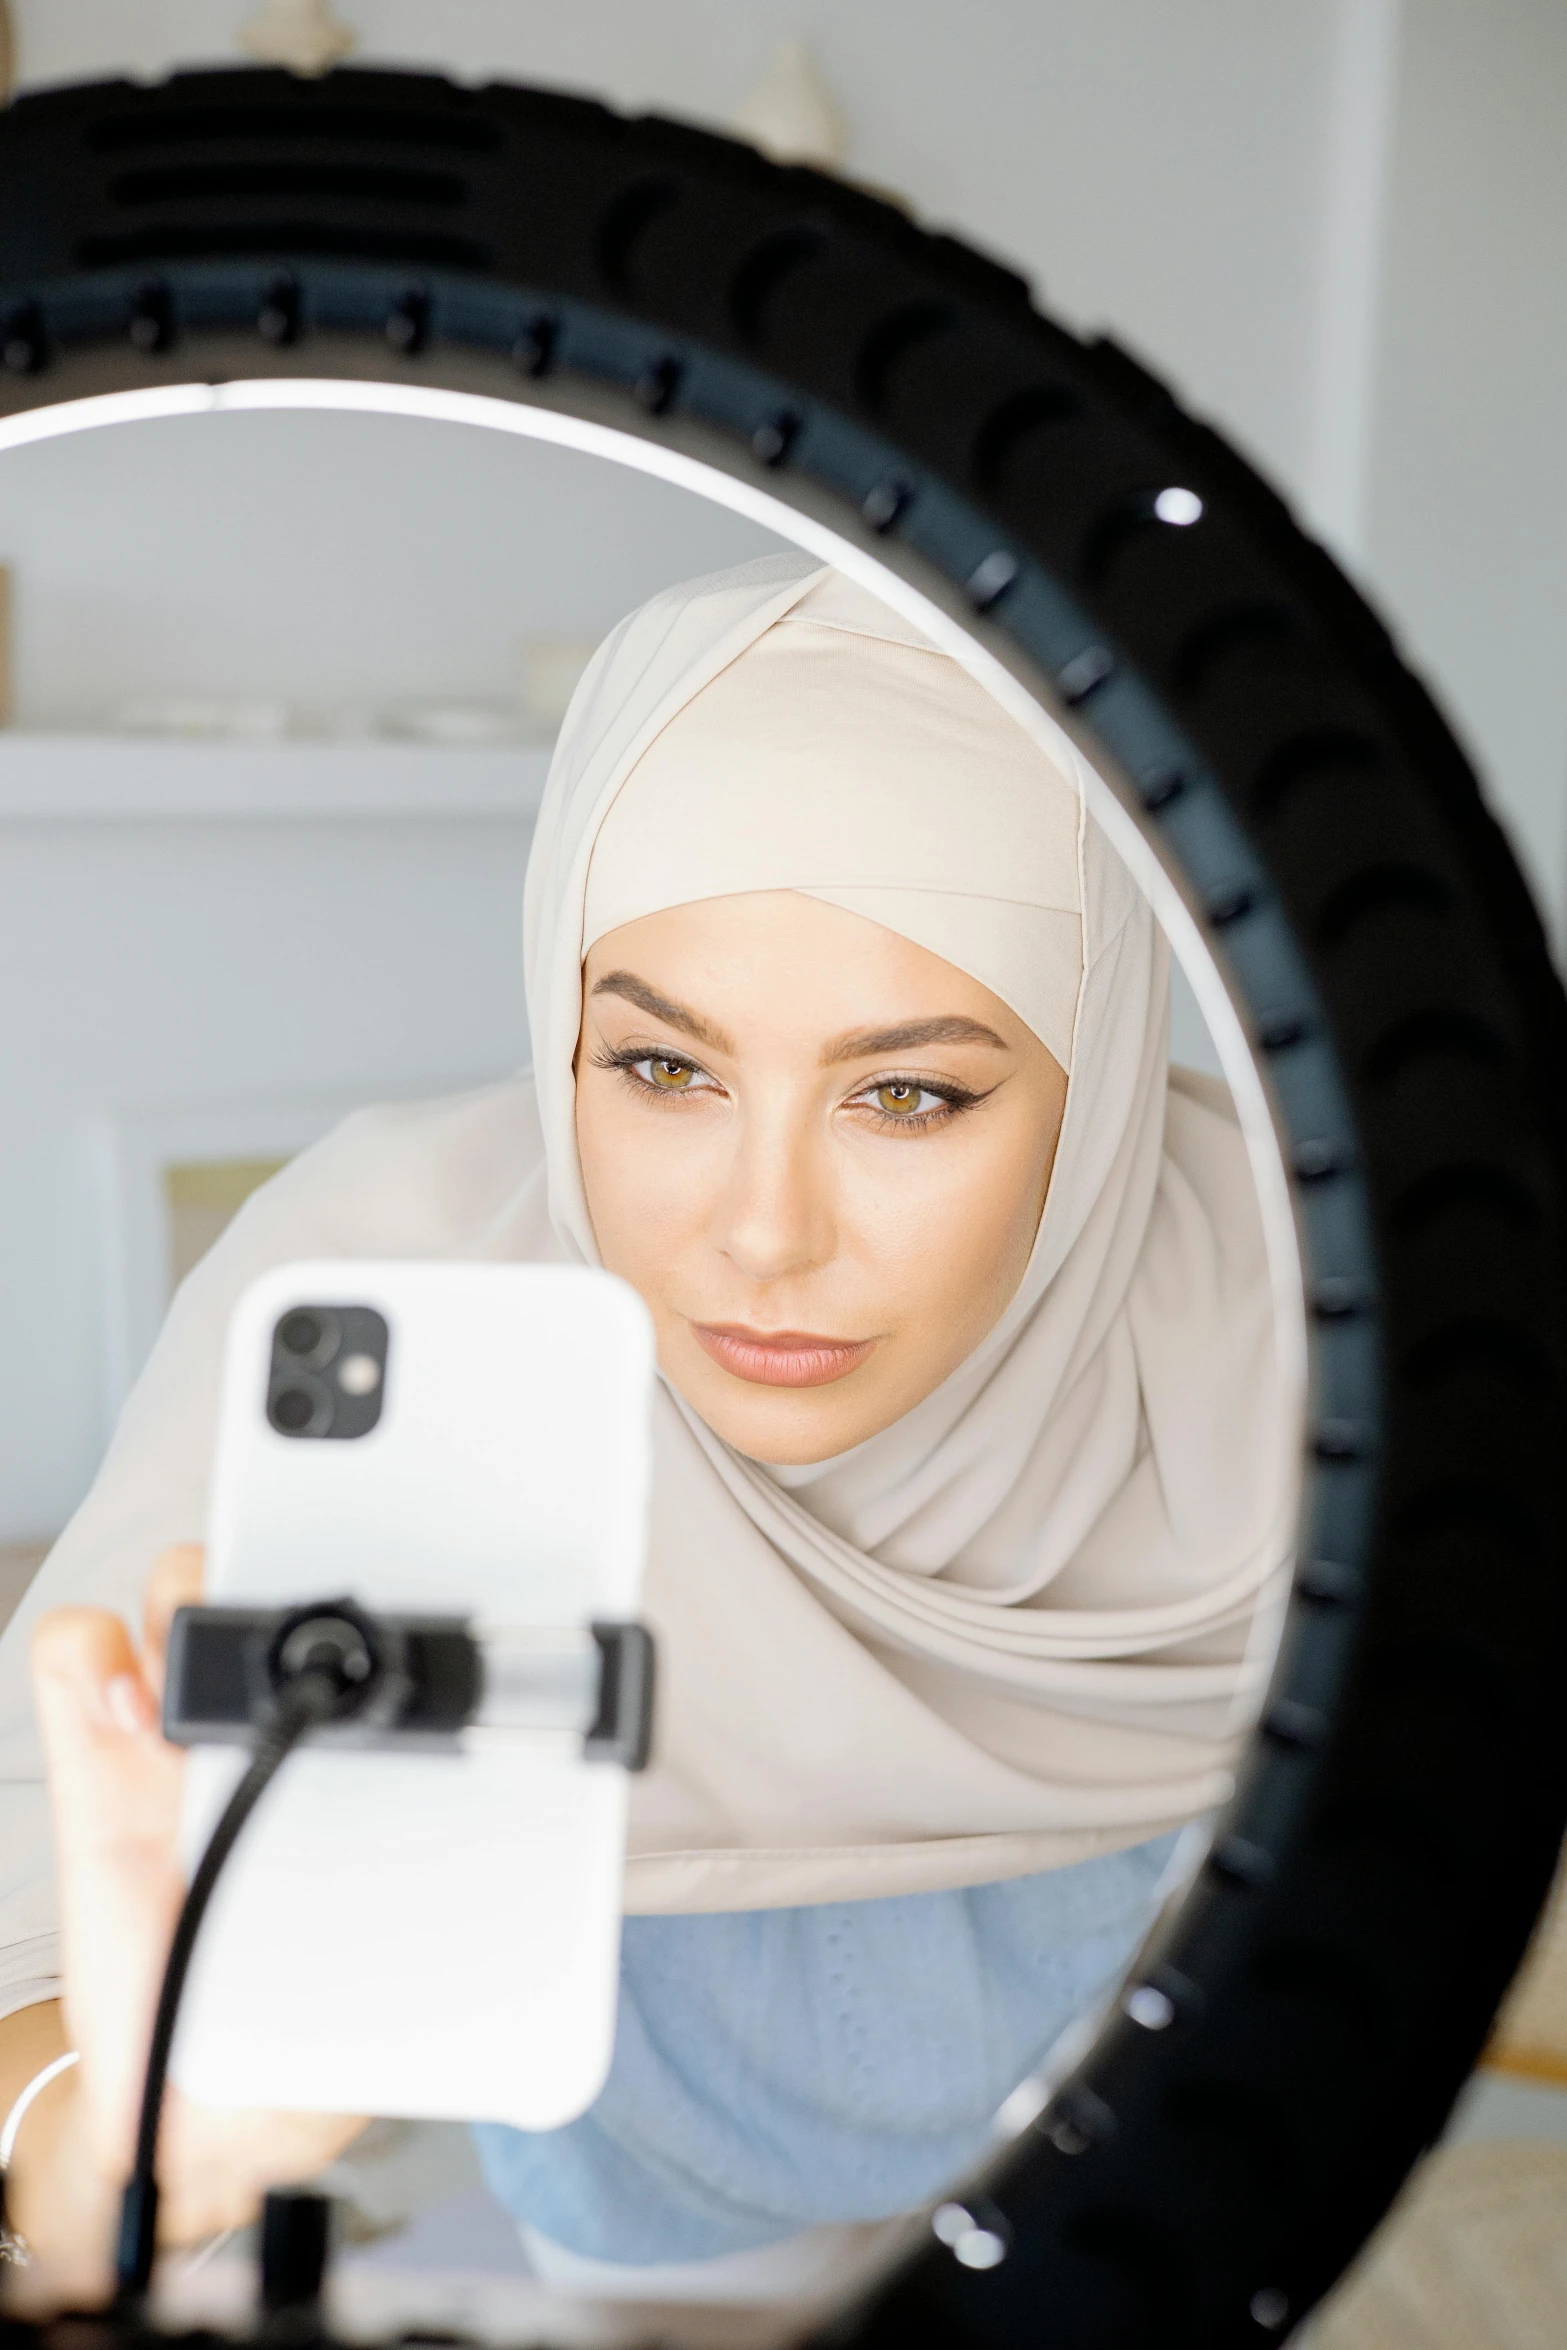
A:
(125, 1703)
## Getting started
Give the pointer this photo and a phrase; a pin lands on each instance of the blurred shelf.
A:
(112, 778)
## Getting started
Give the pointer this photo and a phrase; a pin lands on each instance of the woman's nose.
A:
(776, 1217)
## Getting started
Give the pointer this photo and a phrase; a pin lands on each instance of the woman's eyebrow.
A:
(908, 1036)
(662, 1007)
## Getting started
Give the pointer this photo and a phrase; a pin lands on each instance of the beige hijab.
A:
(1022, 1625)
(1058, 1556)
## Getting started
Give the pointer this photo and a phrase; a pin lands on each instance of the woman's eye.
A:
(667, 1074)
(900, 1097)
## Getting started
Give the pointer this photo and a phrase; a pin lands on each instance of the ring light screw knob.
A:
(22, 341)
(1078, 2120)
(990, 580)
(1269, 2308)
(408, 324)
(1085, 672)
(279, 318)
(884, 502)
(774, 437)
(1147, 2005)
(151, 326)
(975, 2234)
(534, 347)
(656, 386)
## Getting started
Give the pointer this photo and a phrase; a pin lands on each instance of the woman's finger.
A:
(112, 1779)
(175, 1582)
(80, 1655)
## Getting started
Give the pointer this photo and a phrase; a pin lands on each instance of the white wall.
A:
(152, 965)
(1467, 514)
(1336, 223)
(242, 977)
(326, 560)
(1152, 165)
(148, 964)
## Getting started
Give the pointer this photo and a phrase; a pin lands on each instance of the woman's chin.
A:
(785, 1427)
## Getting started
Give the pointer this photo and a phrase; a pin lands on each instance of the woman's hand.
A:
(115, 1790)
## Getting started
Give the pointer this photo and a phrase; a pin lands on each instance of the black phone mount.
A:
(327, 1671)
(437, 1683)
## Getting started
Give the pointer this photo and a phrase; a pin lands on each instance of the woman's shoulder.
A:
(1202, 1130)
(459, 1176)
(1208, 1174)
(432, 1177)
(1195, 1098)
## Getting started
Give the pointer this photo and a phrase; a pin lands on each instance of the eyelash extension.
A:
(954, 1100)
(625, 1060)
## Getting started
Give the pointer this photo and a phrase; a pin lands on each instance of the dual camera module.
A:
(328, 1371)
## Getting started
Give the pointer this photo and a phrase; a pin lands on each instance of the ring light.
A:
(1365, 949)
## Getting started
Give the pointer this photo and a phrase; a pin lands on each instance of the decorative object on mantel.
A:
(58, 778)
(458, 724)
(301, 34)
(185, 718)
(791, 114)
(201, 1198)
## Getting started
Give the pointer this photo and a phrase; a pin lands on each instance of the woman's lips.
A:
(781, 1358)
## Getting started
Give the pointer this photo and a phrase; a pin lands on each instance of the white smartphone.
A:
(435, 1933)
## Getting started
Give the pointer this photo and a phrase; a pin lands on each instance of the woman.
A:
(850, 1040)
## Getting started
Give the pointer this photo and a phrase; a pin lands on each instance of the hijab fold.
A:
(1026, 1623)
(1066, 1555)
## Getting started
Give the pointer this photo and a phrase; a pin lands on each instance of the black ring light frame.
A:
(1328, 1981)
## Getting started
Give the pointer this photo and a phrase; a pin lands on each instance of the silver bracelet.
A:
(13, 2248)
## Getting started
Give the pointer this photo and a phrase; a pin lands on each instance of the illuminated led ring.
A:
(1366, 952)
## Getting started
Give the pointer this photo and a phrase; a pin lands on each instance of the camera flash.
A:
(358, 1374)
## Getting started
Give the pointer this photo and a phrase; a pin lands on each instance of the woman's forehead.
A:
(774, 962)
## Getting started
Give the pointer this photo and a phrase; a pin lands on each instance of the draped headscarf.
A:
(1058, 1557)
(1029, 1621)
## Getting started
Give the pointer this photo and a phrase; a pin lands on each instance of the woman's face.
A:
(819, 1153)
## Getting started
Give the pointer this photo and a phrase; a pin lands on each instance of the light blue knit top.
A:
(775, 2069)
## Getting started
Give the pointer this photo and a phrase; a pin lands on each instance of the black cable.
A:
(309, 1699)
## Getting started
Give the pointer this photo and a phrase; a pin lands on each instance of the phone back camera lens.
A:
(302, 1408)
(309, 1336)
(300, 1334)
(327, 1373)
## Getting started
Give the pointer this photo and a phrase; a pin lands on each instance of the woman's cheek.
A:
(950, 1223)
(642, 1170)
(930, 1197)
(607, 1154)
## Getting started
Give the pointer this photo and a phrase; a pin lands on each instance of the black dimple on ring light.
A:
(1332, 1972)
